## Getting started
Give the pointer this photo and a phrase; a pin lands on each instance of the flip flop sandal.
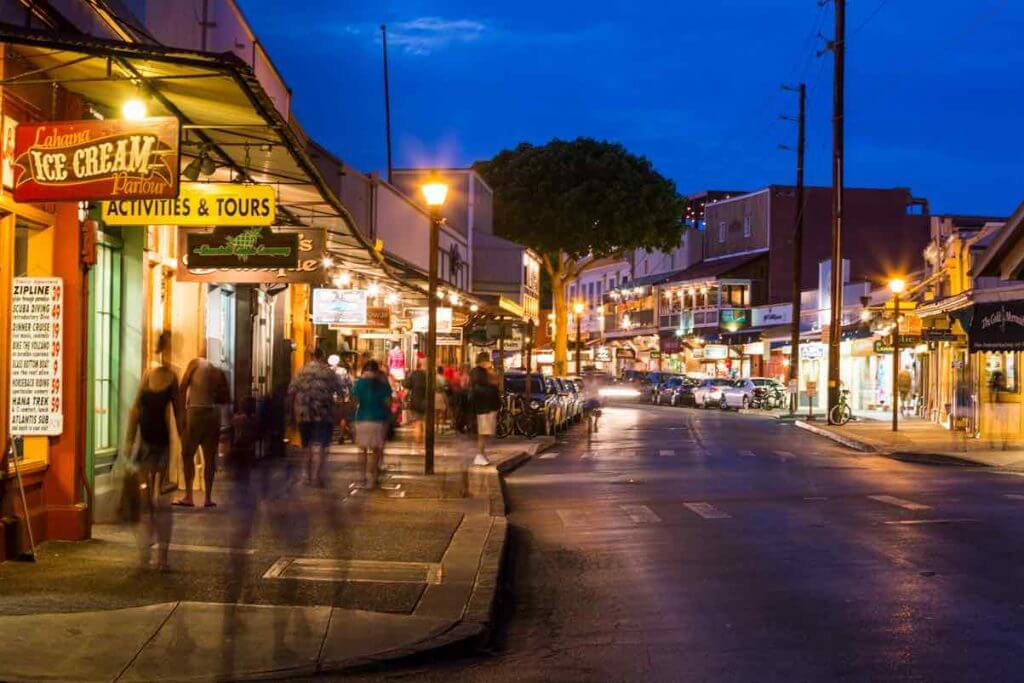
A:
(183, 504)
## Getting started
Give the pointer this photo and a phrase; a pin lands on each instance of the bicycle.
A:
(841, 412)
(515, 418)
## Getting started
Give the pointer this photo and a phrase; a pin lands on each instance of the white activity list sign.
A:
(37, 321)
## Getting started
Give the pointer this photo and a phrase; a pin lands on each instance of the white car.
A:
(739, 393)
(708, 393)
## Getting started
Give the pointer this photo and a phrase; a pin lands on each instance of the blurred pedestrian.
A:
(485, 401)
(311, 397)
(152, 417)
(441, 391)
(416, 383)
(203, 391)
(372, 393)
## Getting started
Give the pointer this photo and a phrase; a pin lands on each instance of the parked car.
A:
(543, 405)
(708, 392)
(682, 393)
(739, 393)
(665, 392)
(575, 385)
(561, 401)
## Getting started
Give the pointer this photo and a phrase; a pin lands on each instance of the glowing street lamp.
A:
(435, 191)
(897, 287)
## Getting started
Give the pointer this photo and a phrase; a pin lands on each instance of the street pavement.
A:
(280, 579)
(687, 545)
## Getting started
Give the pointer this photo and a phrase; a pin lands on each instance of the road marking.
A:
(747, 454)
(1013, 496)
(641, 514)
(666, 452)
(785, 455)
(900, 502)
(707, 510)
(548, 456)
(952, 520)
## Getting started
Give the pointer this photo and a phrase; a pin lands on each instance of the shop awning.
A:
(223, 109)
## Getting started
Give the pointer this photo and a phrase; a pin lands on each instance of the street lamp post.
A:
(434, 192)
(896, 286)
(578, 310)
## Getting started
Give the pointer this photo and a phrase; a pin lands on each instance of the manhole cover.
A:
(375, 571)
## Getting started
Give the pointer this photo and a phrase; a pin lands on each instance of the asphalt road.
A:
(686, 545)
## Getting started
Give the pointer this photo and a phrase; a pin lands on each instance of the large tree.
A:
(577, 201)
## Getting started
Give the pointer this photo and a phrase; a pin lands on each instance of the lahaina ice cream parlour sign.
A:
(96, 160)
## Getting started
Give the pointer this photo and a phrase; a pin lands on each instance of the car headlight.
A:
(534, 405)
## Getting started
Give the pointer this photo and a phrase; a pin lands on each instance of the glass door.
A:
(105, 342)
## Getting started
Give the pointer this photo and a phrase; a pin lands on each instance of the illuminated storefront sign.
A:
(199, 204)
(309, 268)
(339, 307)
(96, 160)
(227, 247)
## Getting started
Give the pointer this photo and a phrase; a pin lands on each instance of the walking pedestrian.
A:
(154, 414)
(441, 398)
(372, 393)
(311, 399)
(485, 400)
(416, 383)
(204, 391)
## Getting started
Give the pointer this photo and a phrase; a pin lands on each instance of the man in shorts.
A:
(311, 396)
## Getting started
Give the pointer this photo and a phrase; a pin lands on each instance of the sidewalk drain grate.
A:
(373, 571)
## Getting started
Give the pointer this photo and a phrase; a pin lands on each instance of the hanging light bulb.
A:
(373, 289)
(327, 261)
(440, 295)
(342, 279)
(391, 299)
(453, 298)
(473, 308)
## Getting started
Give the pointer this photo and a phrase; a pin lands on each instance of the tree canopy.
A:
(581, 197)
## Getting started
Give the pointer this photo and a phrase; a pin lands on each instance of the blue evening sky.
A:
(935, 88)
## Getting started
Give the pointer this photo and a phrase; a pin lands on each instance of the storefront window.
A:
(106, 350)
(1001, 371)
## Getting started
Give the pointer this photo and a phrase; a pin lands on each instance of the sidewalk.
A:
(280, 579)
(920, 441)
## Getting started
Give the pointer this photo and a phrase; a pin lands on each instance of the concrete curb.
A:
(473, 630)
(946, 459)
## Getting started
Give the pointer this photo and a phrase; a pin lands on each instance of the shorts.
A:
(487, 423)
(319, 432)
(370, 435)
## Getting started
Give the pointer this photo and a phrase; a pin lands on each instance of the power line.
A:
(871, 16)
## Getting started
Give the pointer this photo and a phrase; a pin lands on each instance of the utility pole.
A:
(798, 248)
(835, 329)
(387, 96)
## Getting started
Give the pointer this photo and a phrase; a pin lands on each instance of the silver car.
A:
(708, 392)
(739, 393)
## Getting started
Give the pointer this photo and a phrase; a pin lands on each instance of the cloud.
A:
(427, 34)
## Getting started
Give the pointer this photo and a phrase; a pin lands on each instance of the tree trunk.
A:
(561, 322)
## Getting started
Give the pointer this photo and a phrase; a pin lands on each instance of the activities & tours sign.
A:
(228, 247)
(199, 204)
(96, 160)
(36, 389)
(308, 268)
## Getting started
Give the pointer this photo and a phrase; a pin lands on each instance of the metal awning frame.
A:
(124, 64)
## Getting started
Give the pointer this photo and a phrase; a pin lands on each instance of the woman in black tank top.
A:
(149, 441)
